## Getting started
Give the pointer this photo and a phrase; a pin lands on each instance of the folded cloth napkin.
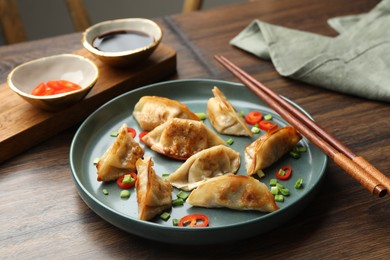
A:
(355, 62)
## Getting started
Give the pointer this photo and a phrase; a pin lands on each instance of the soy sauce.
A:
(117, 41)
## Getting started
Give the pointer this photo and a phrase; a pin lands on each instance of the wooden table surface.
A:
(43, 217)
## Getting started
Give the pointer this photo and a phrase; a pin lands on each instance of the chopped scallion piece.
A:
(114, 134)
(230, 141)
(281, 172)
(268, 117)
(274, 190)
(165, 175)
(165, 216)
(182, 195)
(96, 161)
(301, 149)
(125, 194)
(175, 221)
(298, 183)
(105, 191)
(255, 130)
(127, 179)
(260, 174)
(282, 189)
(242, 113)
(201, 116)
(273, 182)
(177, 202)
(294, 154)
(279, 198)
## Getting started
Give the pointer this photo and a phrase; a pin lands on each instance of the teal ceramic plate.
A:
(93, 139)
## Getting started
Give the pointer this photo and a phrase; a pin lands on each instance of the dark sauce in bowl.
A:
(123, 40)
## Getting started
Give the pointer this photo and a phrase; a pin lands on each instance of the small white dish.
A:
(77, 69)
(125, 57)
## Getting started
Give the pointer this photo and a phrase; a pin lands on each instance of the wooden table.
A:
(42, 216)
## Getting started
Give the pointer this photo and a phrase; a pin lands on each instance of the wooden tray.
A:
(23, 126)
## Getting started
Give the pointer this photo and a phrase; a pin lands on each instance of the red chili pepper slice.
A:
(53, 87)
(267, 125)
(132, 132)
(253, 117)
(194, 220)
(68, 84)
(126, 185)
(141, 135)
(284, 173)
(39, 90)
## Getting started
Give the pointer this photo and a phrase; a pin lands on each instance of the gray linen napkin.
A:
(356, 62)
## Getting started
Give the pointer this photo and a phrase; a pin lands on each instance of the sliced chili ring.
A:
(142, 134)
(132, 132)
(253, 117)
(284, 173)
(194, 220)
(267, 125)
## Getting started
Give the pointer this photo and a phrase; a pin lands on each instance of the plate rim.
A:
(89, 198)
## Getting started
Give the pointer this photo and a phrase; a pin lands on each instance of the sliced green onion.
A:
(177, 202)
(255, 130)
(165, 175)
(274, 190)
(175, 221)
(268, 117)
(96, 161)
(294, 154)
(114, 134)
(127, 179)
(279, 198)
(165, 216)
(298, 183)
(260, 173)
(301, 149)
(282, 189)
(201, 116)
(105, 191)
(182, 195)
(242, 113)
(125, 194)
(230, 141)
(273, 182)
(281, 172)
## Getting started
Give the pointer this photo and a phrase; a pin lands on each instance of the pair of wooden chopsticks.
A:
(356, 166)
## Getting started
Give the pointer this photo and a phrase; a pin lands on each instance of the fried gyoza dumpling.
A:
(224, 117)
(206, 164)
(151, 111)
(120, 157)
(154, 194)
(269, 148)
(234, 192)
(180, 138)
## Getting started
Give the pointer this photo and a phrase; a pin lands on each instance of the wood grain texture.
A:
(11, 22)
(22, 125)
(44, 218)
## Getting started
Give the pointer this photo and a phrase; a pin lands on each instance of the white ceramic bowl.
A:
(123, 58)
(77, 69)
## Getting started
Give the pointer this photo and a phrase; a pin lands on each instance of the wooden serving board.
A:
(23, 126)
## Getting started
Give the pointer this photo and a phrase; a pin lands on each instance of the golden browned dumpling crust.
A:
(120, 158)
(206, 164)
(224, 118)
(152, 111)
(153, 192)
(269, 148)
(235, 192)
(181, 138)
